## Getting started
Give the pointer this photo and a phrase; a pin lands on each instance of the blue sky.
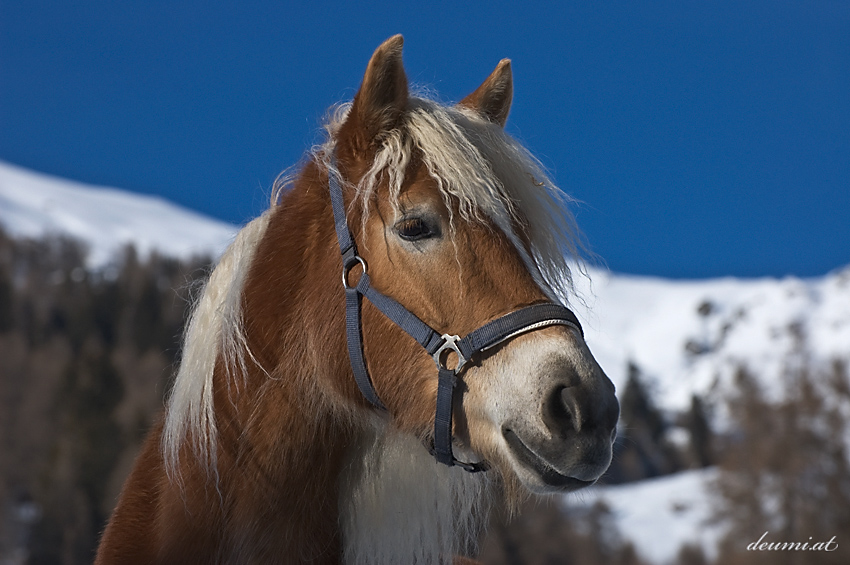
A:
(703, 138)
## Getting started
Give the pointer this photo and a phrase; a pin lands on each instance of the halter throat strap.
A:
(438, 345)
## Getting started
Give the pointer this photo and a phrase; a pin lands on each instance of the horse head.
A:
(458, 224)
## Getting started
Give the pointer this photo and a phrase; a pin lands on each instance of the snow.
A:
(659, 516)
(687, 337)
(34, 204)
(650, 322)
(644, 320)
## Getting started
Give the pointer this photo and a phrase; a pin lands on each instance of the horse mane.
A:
(476, 164)
(488, 174)
(215, 327)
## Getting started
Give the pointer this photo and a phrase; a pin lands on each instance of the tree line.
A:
(86, 358)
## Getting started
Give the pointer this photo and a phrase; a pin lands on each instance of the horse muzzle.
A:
(555, 410)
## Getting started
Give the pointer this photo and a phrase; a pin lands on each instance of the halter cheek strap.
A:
(439, 346)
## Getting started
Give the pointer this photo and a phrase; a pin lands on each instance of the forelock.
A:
(483, 173)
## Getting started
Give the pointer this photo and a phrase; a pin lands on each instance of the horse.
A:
(321, 420)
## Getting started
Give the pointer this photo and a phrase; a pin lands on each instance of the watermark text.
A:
(763, 545)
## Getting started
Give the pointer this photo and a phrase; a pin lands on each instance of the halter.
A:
(439, 346)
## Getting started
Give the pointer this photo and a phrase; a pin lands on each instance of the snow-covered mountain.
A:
(33, 204)
(687, 337)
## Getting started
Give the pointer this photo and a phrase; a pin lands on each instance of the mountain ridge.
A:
(686, 336)
(34, 204)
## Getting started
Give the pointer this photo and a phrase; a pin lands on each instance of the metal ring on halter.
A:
(449, 344)
(347, 268)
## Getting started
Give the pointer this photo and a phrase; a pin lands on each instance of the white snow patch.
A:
(659, 516)
(651, 321)
(106, 219)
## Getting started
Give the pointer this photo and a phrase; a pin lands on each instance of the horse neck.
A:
(305, 421)
(283, 429)
(292, 332)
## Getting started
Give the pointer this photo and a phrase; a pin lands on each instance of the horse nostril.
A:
(560, 412)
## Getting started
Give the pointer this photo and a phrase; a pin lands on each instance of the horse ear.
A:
(382, 98)
(493, 98)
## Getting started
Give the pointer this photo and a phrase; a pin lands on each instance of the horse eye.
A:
(414, 229)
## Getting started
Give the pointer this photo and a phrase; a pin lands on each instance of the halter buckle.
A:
(449, 345)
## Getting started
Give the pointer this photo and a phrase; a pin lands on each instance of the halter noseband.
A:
(437, 345)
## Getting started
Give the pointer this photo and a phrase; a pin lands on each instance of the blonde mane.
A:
(215, 327)
(486, 172)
